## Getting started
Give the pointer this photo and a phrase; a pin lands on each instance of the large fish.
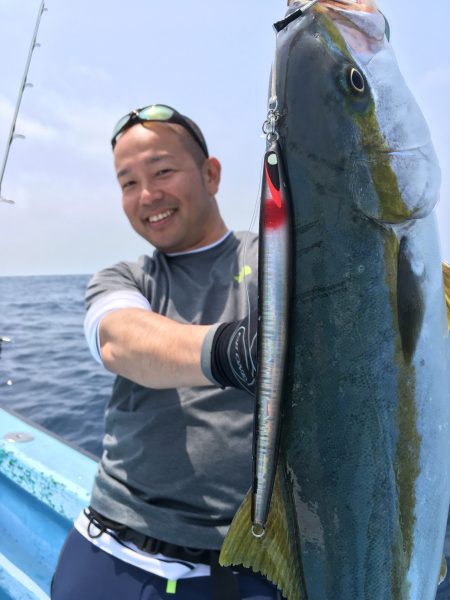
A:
(361, 483)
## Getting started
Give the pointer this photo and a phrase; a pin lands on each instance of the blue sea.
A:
(46, 371)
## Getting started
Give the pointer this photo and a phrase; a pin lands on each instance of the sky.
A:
(98, 60)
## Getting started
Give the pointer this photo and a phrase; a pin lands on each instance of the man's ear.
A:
(211, 170)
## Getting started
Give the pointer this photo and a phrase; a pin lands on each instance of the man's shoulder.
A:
(127, 268)
(125, 275)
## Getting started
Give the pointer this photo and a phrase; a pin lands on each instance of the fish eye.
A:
(356, 81)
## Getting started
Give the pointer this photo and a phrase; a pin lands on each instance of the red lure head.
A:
(275, 212)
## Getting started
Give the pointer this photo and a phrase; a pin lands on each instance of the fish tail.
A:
(275, 554)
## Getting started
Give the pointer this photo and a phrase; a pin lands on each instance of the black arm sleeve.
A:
(234, 354)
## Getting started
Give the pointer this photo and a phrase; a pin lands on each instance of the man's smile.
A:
(161, 216)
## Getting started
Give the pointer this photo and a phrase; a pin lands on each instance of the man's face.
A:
(167, 197)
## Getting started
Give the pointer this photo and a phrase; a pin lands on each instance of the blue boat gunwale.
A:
(45, 482)
(43, 429)
(56, 472)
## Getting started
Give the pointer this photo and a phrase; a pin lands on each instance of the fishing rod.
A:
(24, 84)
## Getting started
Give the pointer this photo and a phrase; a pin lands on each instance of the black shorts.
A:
(85, 572)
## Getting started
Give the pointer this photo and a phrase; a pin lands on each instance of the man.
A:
(173, 327)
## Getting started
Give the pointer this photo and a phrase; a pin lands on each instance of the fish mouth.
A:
(356, 5)
(361, 5)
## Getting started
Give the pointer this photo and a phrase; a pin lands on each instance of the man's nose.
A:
(150, 194)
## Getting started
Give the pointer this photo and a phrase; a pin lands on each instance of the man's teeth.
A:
(161, 216)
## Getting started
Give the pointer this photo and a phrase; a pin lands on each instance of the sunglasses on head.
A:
(158, 113)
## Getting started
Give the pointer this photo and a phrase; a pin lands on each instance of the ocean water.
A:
(46, 371)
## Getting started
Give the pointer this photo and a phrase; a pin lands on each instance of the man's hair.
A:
(189, 143)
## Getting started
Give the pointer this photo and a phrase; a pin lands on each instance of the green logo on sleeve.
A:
(246, 270)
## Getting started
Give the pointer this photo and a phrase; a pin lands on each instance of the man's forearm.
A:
(151, 349)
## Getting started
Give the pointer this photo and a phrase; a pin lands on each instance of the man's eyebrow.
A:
(149, 161)
(122, 173)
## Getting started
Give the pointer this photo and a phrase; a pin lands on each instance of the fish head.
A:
(348, 120)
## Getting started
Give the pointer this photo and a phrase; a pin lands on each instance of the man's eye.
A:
(163, 172)
(127, 184)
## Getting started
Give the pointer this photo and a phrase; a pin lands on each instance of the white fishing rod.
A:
(23, 85)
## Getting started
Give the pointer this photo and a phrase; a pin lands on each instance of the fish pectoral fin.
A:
(446, 271)
(410, 303)
(275, 555)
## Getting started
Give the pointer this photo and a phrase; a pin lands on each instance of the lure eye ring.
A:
(356, 80)
(258, 531)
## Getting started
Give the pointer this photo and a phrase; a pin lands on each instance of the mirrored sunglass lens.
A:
(123, 121)
(156, 113)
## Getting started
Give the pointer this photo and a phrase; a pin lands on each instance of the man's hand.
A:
(232, 348)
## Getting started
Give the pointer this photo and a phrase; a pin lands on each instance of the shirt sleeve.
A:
(104, 305)
(125, 285)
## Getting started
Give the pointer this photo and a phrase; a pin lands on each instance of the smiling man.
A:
(173, 327)
(168, 190)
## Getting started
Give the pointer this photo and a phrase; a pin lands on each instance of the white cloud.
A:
(28, 126)
(95, 74)
(83, 126)
(36, 130)
(76, 127)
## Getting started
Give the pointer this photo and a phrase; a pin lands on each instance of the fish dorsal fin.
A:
(446, 271)
(275, 555)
